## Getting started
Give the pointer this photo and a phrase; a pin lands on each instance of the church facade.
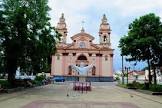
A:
(83, 50)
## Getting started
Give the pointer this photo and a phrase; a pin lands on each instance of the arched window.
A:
(105, 38)
(82, 57)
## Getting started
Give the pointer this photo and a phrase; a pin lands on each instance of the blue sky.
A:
(120, 14)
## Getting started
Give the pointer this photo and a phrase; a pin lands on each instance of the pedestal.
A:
(82, 78)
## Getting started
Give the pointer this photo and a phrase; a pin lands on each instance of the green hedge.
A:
(156, 88)
(4, 84)
(40, 78)
(137, 85)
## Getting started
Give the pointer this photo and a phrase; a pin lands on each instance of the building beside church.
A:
(83, 50)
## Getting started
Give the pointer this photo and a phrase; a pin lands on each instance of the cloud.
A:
(133, 7)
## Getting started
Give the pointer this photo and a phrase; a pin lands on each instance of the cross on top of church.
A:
(82, 30)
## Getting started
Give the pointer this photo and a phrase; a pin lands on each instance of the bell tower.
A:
(104, 32)
(61, 28)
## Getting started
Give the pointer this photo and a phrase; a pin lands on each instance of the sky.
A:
(120, 13)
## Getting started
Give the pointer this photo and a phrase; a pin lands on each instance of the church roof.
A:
(82, 33)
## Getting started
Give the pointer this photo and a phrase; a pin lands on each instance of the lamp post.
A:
(122, 70)
(127, 69)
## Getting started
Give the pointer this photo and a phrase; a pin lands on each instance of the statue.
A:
(82, 70)
(146, 75)
(25, 76)
(18, 72)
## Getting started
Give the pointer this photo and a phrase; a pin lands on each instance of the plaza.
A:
(103, 95)
(80, 54)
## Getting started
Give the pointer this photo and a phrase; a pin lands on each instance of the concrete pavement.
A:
(103, 95)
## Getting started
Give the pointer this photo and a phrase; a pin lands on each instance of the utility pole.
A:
(127, 69)
(122, 70)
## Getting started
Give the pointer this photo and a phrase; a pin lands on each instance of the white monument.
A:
(146, 75)
(82, 70)
(25, 76)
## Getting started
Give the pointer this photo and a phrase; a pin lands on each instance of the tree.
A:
(2, 70)
(27, 38)
(142, 43)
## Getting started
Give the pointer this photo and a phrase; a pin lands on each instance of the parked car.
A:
(58, 79)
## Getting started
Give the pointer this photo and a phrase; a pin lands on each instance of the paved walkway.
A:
(103, 95)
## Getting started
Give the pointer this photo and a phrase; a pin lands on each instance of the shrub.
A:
(117, 78)
(40, 78)
(136, 85)
(4, 84)
(130, 85)
(156, 88)
(37, 83)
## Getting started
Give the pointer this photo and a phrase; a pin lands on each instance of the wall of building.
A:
(56, 68)
(107, 65)
(60, 66)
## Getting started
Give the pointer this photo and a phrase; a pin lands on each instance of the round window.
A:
(82, 45)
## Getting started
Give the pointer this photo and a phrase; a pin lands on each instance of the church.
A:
(83, 50)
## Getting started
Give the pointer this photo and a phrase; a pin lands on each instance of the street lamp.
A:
(127, 69)
(122, 70)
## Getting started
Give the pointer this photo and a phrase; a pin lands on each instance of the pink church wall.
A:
(97, 66)
(52, 66)
(63, 64)
(100, 62)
